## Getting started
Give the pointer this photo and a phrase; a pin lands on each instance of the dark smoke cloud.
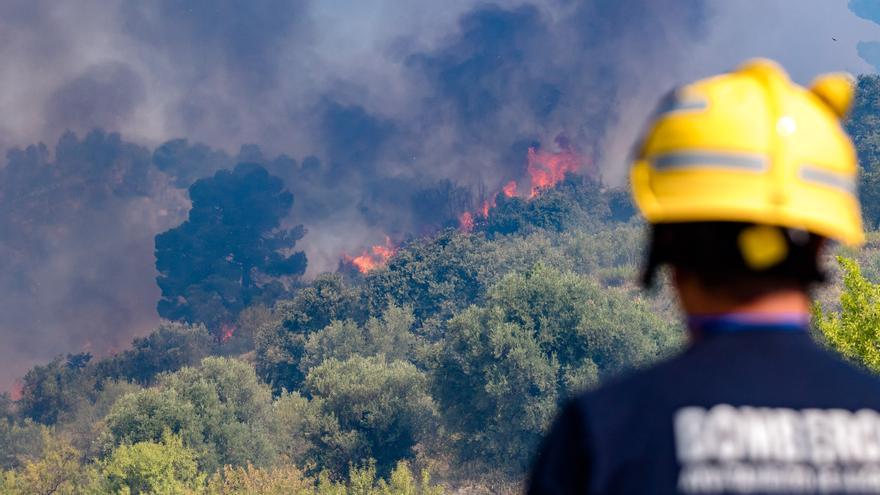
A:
(105, 95)
(381, 117)
(76, 247)
(244, 40)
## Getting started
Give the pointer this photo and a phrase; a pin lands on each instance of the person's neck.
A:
(784, 306)
(778, 302)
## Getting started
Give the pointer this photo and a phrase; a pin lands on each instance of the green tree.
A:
(166, 467)
(172, 346)
(288, 479)
(281, 344)
(864, 127)
(365, 480)
(230, 251)
(59, 470)
(220, 409)
(385, 403)
(309, 434)
(81, 426)
(855, 330)
(19, 441)
(495, 387)
(51, 392)
(435, 277)
(146, 415)
(543, 335)
(278, 480)
(576, 202)
(234, 408)
(250, 322)
(392, 336)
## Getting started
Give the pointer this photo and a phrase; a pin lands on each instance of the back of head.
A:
(743, 174)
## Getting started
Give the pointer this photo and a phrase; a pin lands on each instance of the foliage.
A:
(171, 347)
(542, 336)
(19, 441)
(309, 434)
(289, 480)
(391, 336)
(401, 481)
(434, 277)
(578, 202)
(455, 354)
(246, 480)
(219, 408)
(145, 416)
(80, 425)
(53, 391)
(249, 323)
(863, 127)
(187, 162)
(495, 387)
(166, 467)
(385, 403)
(58, 470)
(855, 330)
(231, 249)
(281, 344)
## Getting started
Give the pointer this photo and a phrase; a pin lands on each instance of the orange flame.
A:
(377, 256)
(509, 189)
(484, 209)
(547, 168)
(226, 331)
(466, 221)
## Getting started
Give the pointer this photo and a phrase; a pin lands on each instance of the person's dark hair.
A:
(710, 252)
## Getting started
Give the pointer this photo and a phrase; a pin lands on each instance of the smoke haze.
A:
(384, 118)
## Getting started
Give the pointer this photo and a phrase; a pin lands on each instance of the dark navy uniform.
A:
(747, 409)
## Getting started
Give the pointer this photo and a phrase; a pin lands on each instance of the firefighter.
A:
(744, 179)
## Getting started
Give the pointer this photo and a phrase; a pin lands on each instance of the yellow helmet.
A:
(752, 146)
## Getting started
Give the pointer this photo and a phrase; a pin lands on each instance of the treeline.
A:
(451, 359)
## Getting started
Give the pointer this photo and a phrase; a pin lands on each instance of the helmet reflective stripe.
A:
(711, 159)
(682, 106)
(675, 102)
(811, 173)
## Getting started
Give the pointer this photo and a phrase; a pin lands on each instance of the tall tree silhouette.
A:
(231, 251)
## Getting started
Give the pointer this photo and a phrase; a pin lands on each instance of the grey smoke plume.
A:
(382, 117)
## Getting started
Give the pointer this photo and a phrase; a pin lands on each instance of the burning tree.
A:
(373, 258)
(231, 250)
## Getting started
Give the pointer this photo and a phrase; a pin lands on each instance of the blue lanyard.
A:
(749, 322)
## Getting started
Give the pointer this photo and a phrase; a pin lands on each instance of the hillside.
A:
(445, 353)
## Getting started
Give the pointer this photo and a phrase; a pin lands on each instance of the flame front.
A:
(546, 168)
(375, 257)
